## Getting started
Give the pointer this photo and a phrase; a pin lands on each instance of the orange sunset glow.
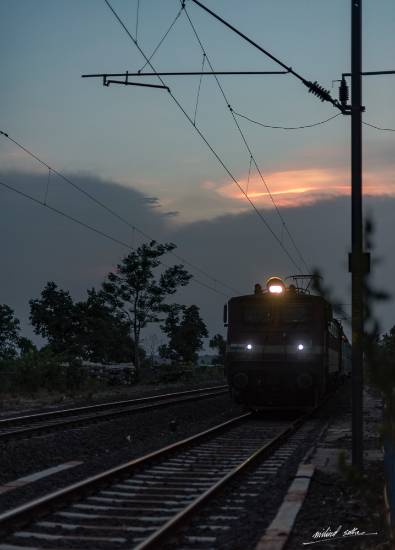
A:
(293, 188)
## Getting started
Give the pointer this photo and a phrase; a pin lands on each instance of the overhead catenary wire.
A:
(205, 139)
(160, 41)
(283, 223)
(47, 186)
(286, 127)
(378, 127)
(249, 175)
(198, 90)
(314, 87)
(133, 227)
(96, 230)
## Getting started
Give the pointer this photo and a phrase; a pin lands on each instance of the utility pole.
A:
(358, 260)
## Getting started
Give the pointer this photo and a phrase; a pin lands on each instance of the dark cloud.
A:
(240, 250)
(152, 201)
(39, 245)
(171, 214)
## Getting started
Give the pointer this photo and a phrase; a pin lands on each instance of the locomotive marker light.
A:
(275, 285)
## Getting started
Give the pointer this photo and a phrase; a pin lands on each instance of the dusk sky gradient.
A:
(135, 143)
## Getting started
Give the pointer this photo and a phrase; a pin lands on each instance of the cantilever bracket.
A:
(126, 82)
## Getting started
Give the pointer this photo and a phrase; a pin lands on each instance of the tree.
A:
(387, 342)
(136, 294)
(26, 346)
(171, 328)
(100, 335)
(9, 333)
(52, 317)
(87, 330)
(185, 334)
(217, 342)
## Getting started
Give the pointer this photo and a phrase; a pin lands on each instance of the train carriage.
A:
(284, 348)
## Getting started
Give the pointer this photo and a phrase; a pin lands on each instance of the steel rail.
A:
(26, 513)
(103, 411)
(102, 406)
(172, 525)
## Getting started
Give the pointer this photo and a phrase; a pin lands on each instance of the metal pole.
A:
(357, 258)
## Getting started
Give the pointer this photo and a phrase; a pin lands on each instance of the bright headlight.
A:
(300, 347)
(249, 346)
(275, 285)
(276, 289)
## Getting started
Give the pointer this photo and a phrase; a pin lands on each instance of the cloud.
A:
(171, 214)
(305, 186)
(236, 249)
(154, 202)
(40, 245)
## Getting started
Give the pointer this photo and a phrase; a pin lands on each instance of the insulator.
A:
(319, 91)
(343, 92)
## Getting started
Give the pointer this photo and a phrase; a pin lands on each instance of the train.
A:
(284, 347)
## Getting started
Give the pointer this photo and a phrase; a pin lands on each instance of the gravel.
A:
(104, 445)
(48, 403)
(342, 498)
(333, 499)
(334, 502)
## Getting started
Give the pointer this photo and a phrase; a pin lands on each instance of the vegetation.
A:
(218, 343)
(136, 295)
(381, 375)
(9, 333)
(40, 371)
(106, 328)
(85, 330)
(185, 330)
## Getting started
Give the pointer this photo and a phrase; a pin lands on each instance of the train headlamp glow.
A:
(275, 285)
(275, 289)
(249, 347)
(300, 347)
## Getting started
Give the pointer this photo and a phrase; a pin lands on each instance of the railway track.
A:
(28, 425)
(144, 502)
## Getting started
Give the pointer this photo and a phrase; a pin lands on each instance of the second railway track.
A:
(142, 503)
(39, 423)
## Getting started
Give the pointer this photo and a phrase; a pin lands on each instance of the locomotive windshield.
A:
(293, 313)
(269, 313)
(258, 314)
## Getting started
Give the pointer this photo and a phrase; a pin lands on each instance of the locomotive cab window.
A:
(257, 314)
(296, 313)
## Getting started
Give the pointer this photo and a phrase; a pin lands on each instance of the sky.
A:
(135, 149)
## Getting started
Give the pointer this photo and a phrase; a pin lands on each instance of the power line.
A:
(287, 127)
(378, 127)
(95, 230)
(198, 90)
(313, 87)
(110, 210)
(203, 137)
(284, 225)
(160, 41)
(64, 214)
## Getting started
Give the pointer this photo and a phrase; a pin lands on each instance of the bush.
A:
(41, 370)
(182, 372)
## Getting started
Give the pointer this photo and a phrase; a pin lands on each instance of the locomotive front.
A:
(275, 347)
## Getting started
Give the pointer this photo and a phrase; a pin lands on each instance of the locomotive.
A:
(284, 348)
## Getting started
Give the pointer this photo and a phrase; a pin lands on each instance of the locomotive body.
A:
(284, 348)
